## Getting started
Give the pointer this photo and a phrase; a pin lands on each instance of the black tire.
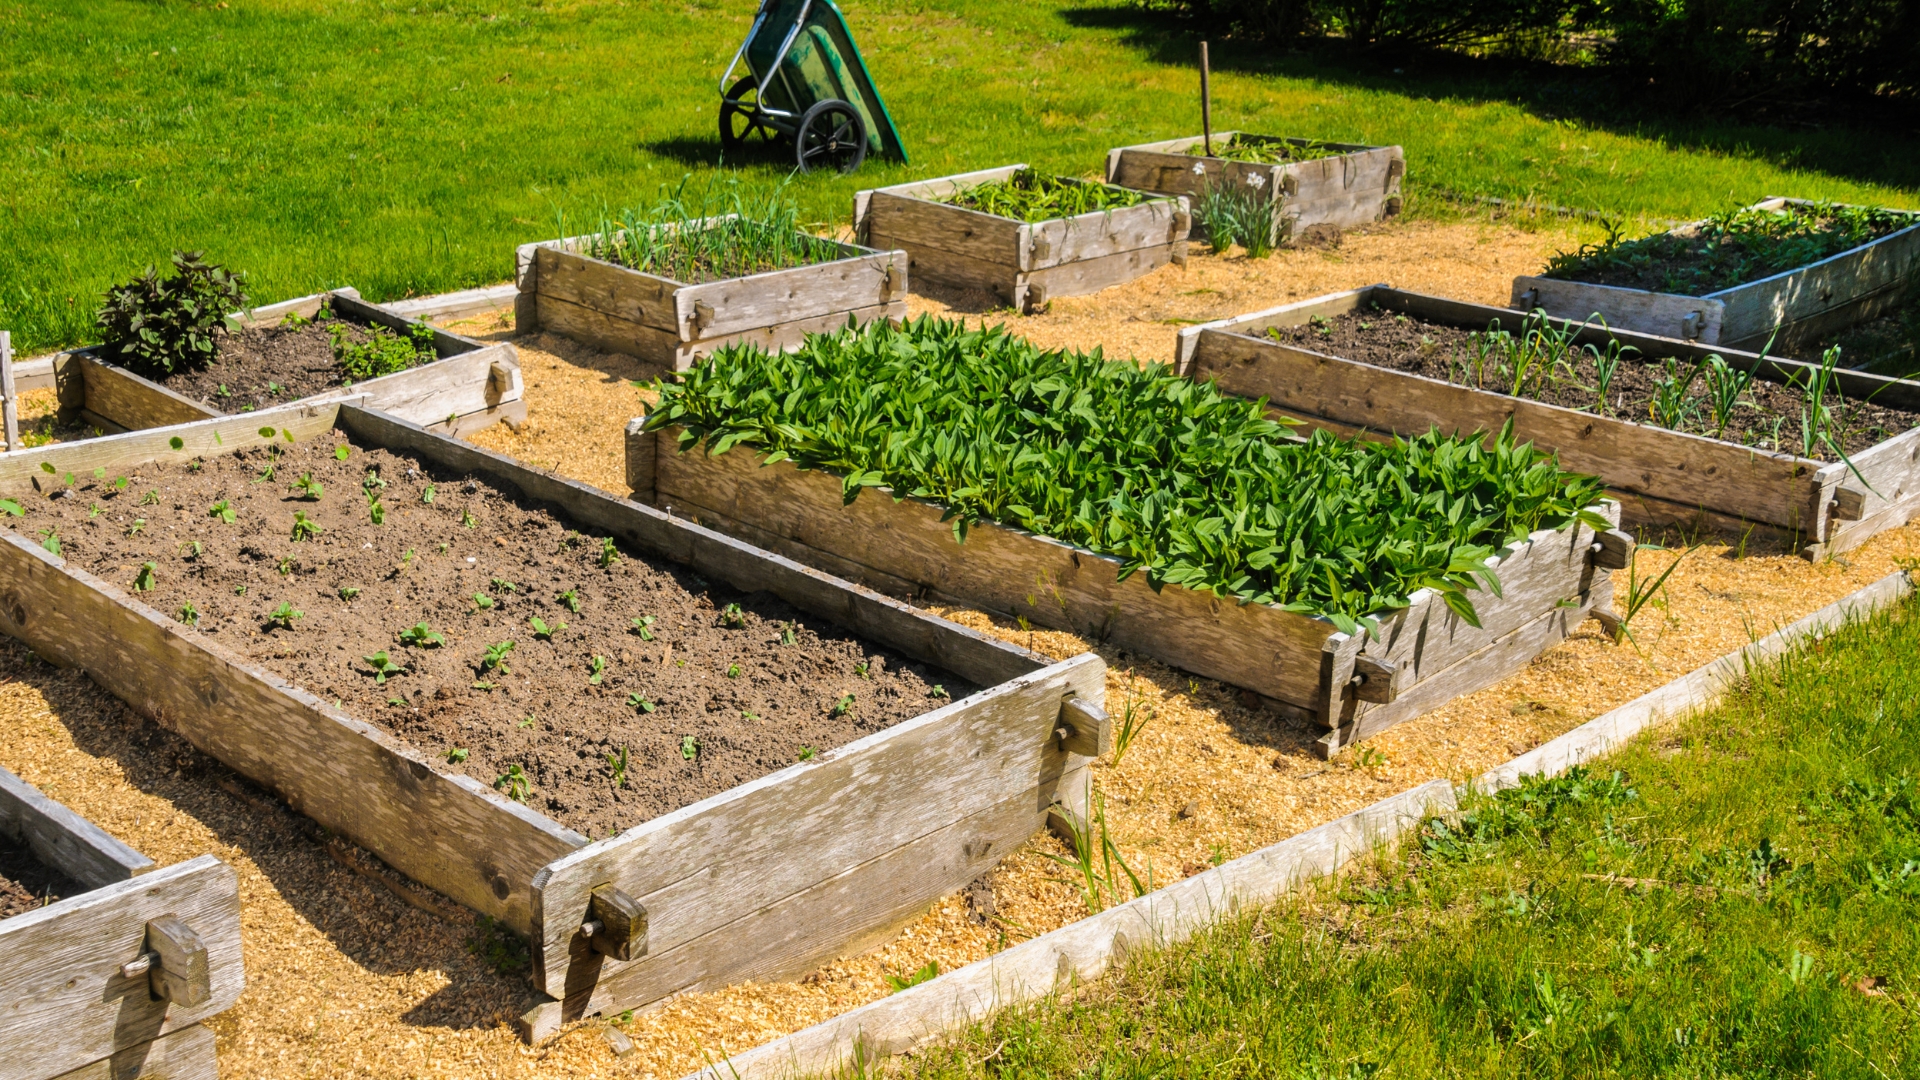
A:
(740, 121)
(830, 135)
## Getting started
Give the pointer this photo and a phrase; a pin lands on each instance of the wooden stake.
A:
(9, 405)
(1206, 103)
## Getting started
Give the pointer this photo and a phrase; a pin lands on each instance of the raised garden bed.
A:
(1069, 238)
(579, 287)
(1306, 182)
(744, 843)
(281, 353)
(1355, 656)
(1785, 271)
(1382, 360)
(77, 907)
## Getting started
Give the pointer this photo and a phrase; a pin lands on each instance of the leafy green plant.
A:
(309, 488)
(137, 525)
(570, 600)
(376, 512)
(1134, 717)
(938, 691)
(143, 581)
(383, 667)
(598, 667)
(864, 669)
(635, 701)
(1671, 406)
(348, 593)
(482, 601)
(382, 352)
(222, 510)
(787, 636)
(542, 630)
(156, 326)
(928, 971)
(285, 614)
(504, 585)
(617, 764)
(190, 549)
(1726, 386)
(188, 614)
(420, 636)
(732, 617)
(733, 671)
(644, 627)
(50, 542)
(1101, 872)
(1264, 149)
(426, 495)
(1237, 214)
(608, 553)
(1033, 196)
(843, 707)
(1103, 455)
(304, 528)
(467, 520)
(1727, 249)
(496, 658)
(1642, 590)
(808, 753)
(514, 783)
(457, 755)
(340, 453)
(689, 747)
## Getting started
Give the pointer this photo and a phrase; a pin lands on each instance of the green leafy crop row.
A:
(1171, 477)
(1262, 150)
(727, 229)
(1036, 196)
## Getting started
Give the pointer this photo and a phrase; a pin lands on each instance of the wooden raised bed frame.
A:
(1361, 184)
(672, 325)
(1024, 264)
(67, 1009)
(1355, 685)
(1662, 477)
(471, 387)
(763, 881)
(1806, 304)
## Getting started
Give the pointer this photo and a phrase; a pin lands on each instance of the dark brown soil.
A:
(1889, 345)
(262, 366)
(1768, 417)
(27, 883)
(733, 698)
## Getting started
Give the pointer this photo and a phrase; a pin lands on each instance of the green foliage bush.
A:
(156, 326)
(1171, 477)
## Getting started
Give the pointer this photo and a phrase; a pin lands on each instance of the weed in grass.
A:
(570, 600)
(421, 636)
(1033, 196)
(732, 617)
(143, 581)
(308, 488)
(383, 667)
(544, 632)
(689, 747)
(1134, 717)
(1642, 590)
(495, 658)
(617, 764)
(644, 627)
(348, 593)
(188, 614)
(598, 667)
(1101, 872)
(929, 970)
(285, 614)
(635, 701)
(514, 783)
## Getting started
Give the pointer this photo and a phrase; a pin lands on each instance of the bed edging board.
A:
(1660, 476)
(1095, 945)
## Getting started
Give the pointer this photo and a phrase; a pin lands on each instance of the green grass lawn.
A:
(1735, 897)
(405, 148)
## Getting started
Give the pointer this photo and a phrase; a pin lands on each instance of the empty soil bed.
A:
(27, 883)
(1768, 417)
(1888, 345)
(262, 366)
(717, 689)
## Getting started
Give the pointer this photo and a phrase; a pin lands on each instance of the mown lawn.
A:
(405, 147)
(1739, 896)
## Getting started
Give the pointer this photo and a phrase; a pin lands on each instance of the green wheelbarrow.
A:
(807, 85)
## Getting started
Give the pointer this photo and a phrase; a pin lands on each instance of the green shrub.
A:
(383, 352)
(1171, 477)
(156, 326)
(1032, 196)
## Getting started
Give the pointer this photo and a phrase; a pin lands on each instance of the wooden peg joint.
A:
(616, 924)
(176, 963)
(1084, 728)
(1375, 680)
(1613, 549)
(1849, 504)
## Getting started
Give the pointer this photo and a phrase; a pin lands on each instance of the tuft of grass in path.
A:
(406, 149)
(1738, 896)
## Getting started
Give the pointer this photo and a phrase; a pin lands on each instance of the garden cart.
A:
(805, 83)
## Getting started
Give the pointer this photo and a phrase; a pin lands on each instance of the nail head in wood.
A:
(1088, 729)
(622, 924)
(178, 969)
(1613, 549)
(1376, 680)
(1849, 504)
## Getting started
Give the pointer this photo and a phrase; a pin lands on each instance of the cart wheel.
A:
(740, 119)
(830, 135)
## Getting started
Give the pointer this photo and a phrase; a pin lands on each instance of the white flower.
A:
(1199, 168)
(1256, 181)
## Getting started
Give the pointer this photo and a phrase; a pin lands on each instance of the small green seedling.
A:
(93, 511)
(427, 495)
(864, 669)
(618, 763)
(443, 549)
(599, 668)
(644, 627)
(938, 691)
(504, 585)
(526, 722)
(482, 685)
(514, 784)
(457, 755)
(406, 558)
(808, 753)
(496, 657)
(348, 592)
(284, 615)
(373, 481)
(929, 970)
(50, 541)
(134, 529)
(308, 488)
(177, 443)
(689, 747)
(99, 474)
(570, 600)
(786, 635)
(304, 528)
(12, 508)
(143, 581)
(635, 701)
(340, 452)
(466, 518)
(843, 707)
(188, 614)
(190, 549)
(222, 510)
(482, 601)
(239, 590)
(745, 715)
(286, 565)
(608, 553)
(542, 630)
(376, 511)
(420, 636)
(732, 617)
(733, 671)
(383, 666)
(151, 498)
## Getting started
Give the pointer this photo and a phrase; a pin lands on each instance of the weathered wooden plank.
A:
(9, 395)
(614, 291)
(743, 305)
(640, 461)
(460, 385)
(127, 452)
(943, 226)
(937, 266)
(63, 839)
(780, 337)
(69, 1005)
(701, 869)
(1089, 276)
(183, 1054)
(453, 305)
(935, 189)
(1083, 950)
(648, 344)
(1689, 318)
(128, 400)
(1063, 241)
(1674, 466)
(1812, 301)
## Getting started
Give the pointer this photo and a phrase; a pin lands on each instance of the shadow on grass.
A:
(1843, 139)
(775, 159)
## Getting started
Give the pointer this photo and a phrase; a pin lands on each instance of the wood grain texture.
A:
(745, 304)
(1341, 191)
(935, 189)
(129, 401)
(68, 1005)
(63, 839)
(183, 1054)
(615, 291)
(780, 337)
(938, 266)
(457, 386)
(1690, 318)
(1089, 276)
(701, 869)
(127, 452)
(1084, 950)
(653, 346)
(1090, 236)
(453, 305)
(892, 218)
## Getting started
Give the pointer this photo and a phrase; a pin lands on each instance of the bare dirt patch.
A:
(27, 883)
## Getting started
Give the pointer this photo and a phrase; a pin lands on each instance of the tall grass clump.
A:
(1030, 196)
(724, 229)
(1174, 478)
(1237, 214)
(1735, 896)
